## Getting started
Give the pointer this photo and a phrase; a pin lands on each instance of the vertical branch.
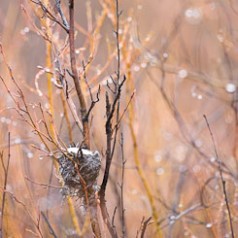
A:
(109, 145)
(110, 110)
(5, 169)
(118, 72)
(123, 219)
(235, 109)
(222, 178)
(118, 42)
(86, 135)
(106, 173)
(143, 177)
(73, 215)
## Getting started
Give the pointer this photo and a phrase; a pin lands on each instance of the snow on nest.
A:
(75, 150)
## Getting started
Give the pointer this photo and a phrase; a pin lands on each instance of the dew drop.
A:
(47, 105)
(159, 171)
(3, 119)
(17, 141)
(182, 73)
(212, 159)
(143, 65)
(136, 68)
(230, 88)
(25, 30)
(30, 155)
(165, 55)
(208, 225)
(158, 157)
(199, 97)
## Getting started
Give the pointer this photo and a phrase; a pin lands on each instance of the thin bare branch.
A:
(64, 20)
(122, 212)
(6, 172)
(222, 178)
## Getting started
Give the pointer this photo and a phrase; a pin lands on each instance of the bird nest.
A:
(79, 169)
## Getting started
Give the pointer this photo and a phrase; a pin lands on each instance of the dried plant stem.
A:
(45, 22)
(73, 215)
(49, 85)
(143, 179)
(137, 160)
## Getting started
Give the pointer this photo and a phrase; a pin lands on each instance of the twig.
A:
(123, 219)
(176, 217)
(6, 170)
(58, 6)
(222, 178)
(43, 184)
(118, 85)
(144, 226)
(93, 102)
(52, 232)
(110, 109)
(140, 228)
(106, 173)
(51, 16)
(128, 104)
(113, 217)
(118, 42)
